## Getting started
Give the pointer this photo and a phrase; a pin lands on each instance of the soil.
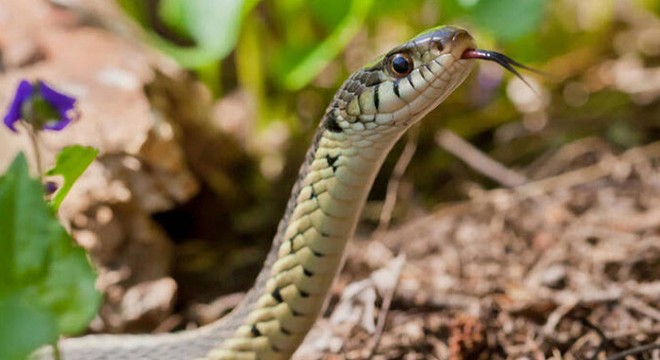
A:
(567, 267)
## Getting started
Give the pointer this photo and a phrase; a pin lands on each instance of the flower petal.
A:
(58, 124)
(60, 102)
(23, 93)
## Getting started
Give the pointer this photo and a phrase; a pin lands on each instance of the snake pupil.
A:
(401, 64)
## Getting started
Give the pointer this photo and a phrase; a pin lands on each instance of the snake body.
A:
(369, 113)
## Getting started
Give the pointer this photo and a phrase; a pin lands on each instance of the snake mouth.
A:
(505, 61)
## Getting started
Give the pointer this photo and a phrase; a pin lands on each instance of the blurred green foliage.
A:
(44, 278)
(288, 57)
(298, 67)
(277, 50)
(71, 162)
(280, 47)
(507, 19)
(304, 35)
(195, 32)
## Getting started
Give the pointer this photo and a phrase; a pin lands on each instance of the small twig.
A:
(395, 181)
(589, 173)
(633, 351)
(556, 354)
(207, 313)
(557, 315)
(477, 160)
(641, 307)
(551, 164)
(601, 335)
(648, 331)
(169, 324)
(397, 268)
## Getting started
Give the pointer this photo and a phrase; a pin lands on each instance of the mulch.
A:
(566, 267)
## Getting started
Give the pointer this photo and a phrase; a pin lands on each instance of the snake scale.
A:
(369, 113)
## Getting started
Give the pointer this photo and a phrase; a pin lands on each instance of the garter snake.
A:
(368, 114)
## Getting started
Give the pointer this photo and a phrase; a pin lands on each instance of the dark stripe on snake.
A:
(276, 295)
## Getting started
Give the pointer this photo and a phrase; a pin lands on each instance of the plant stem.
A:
(56, 351)
(34, 139)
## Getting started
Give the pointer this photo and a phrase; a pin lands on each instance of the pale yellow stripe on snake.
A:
(333, 190)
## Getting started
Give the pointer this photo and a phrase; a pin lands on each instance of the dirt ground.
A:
(567, 267)
(564, 267)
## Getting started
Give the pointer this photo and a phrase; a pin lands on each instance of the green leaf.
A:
(303, 71)
(214, 26)
(23, 328)
(505, 20)
(329, 13)
(173, 15)
(46, 281)
(509, 19)
(71, 163)
(136, 10)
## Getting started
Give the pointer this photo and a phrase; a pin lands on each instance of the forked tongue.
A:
(505, 61)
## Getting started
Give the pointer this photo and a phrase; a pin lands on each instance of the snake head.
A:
(404, 84)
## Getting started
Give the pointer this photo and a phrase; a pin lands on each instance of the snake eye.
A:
(400, 64)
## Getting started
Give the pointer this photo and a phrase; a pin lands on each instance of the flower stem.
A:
(34, 139)
(56, 351)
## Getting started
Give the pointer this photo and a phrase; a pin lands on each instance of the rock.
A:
(148, 304)
(141, 168)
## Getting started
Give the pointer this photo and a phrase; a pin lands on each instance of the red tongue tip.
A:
(470, 54)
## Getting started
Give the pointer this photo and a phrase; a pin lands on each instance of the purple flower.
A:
(41, 106)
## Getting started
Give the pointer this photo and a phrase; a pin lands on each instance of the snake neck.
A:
(306, 254)
(369, 113)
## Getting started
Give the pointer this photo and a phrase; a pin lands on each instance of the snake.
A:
(369, 113)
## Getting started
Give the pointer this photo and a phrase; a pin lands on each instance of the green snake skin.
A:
(368, 114)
